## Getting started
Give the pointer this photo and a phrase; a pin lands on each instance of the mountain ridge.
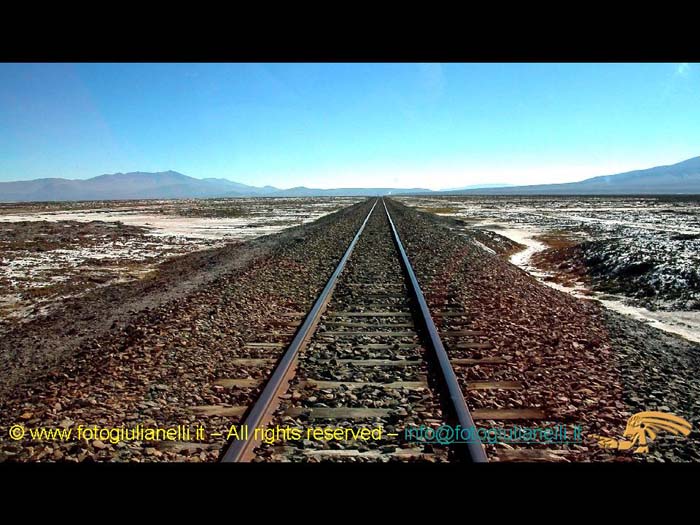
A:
(680, 178)
(162, 185)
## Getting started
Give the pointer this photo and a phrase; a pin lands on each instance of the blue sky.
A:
(350, 125)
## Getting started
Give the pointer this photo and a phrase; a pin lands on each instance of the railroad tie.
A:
(238, 383)
(461, 333)
(321, 384)
(368, 325)
(373, 334)
(368, 314)
(405, 453)
(250, 361)
(494, 385)
(481, 414)
(373, 362)
(473, 346)
(219, 410)
(338, 412)
(480, 361)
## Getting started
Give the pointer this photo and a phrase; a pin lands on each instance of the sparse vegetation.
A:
(445, 210)
(214, 212)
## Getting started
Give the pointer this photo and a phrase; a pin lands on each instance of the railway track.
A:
(368, 355)
(373, 353)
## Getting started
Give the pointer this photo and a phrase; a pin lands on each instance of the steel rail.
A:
(242, 450)
(459, 405)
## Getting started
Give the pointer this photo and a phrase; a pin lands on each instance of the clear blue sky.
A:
(332, 125)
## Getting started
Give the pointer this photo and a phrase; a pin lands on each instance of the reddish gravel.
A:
(153, 367)
(556, 345)
(149, 352)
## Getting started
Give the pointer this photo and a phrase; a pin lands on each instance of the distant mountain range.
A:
(478, 187)
(681, 178)
(161, 185)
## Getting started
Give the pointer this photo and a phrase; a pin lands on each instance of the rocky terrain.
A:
(659, 372)
(583, 365)
(652, 274)
(644, 249)
(153, 351)
(43, 263)
(149, 351)
(53, 251)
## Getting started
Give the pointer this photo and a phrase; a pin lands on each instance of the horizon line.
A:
(485, 185)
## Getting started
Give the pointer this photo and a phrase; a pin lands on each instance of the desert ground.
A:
(124, 312)
(639, 256)
(53, 251)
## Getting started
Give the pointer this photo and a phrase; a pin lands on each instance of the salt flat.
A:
(51, 251)
(638, 255)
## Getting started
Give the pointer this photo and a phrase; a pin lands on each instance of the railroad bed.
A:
(367, 356)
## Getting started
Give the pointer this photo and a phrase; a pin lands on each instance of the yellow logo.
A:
(642, 428)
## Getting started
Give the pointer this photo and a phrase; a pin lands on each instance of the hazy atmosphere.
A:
(435, 126)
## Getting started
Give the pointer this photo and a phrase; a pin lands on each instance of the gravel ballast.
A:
(149, 352)
(154, 352)
(580, 363)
